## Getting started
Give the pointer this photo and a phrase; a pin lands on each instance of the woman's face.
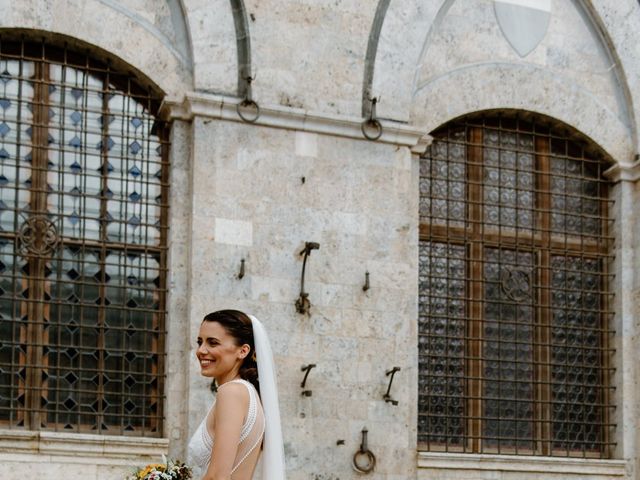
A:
(217, 352)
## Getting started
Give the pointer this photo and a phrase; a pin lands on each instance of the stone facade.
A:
(303, 172)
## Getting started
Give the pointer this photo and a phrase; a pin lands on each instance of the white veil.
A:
(273, 453)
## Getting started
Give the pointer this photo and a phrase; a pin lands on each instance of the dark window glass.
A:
(82, 245)
(514, 307)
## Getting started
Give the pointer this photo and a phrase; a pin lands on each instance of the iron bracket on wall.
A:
(241, 273)
(306, 369)
(303, 304)
(366, 285)
(387, 396)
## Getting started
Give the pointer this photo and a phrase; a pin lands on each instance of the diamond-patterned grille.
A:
(80, 148)
(514, 316)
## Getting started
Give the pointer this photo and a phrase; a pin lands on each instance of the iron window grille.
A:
(83, 228)
(514, 307)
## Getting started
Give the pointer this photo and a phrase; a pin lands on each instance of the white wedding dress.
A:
(265, 426)
(251, 436)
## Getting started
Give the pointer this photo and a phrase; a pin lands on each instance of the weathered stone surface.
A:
(259, 192)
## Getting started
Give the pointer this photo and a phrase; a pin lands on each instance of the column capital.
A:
(624, 172)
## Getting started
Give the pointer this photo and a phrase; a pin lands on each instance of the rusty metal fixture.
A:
(306, 369)
(248, 110)
(366, 285)
(387, 396)
(241, 273)
(364, 461)
(372, 128)
(303, 304)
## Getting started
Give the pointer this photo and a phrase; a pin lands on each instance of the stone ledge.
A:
(628, 173)
(528, 464)
(80, 446)
(224, 108)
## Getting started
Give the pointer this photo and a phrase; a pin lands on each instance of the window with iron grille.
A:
(83, 199)
(514, 309)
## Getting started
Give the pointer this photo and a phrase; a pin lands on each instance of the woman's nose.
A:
(201, 348)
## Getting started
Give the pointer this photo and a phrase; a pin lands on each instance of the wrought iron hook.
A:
(302, 304)
(241, 274)
(387, 396)
(306, 369)
(366, 285)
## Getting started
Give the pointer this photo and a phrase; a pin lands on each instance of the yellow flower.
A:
(149, 468)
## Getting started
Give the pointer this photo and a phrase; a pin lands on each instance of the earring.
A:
(253, 357)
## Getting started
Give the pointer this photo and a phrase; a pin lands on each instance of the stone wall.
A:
(303, 172)
(259, 194)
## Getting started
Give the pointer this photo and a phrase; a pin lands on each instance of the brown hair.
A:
(239, 326)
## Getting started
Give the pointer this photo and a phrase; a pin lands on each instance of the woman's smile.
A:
(204, 363)
(217, 353)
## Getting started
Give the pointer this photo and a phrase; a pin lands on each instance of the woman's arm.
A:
(232, 404)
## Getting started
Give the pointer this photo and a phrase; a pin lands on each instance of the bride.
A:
(244, 421)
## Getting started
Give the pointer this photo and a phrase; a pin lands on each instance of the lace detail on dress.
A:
(251, 435)
(251, 415)
(200, 447)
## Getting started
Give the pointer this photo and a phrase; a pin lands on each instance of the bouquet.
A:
(167, 470)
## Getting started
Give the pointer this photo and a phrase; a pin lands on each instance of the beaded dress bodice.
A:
(201, 444)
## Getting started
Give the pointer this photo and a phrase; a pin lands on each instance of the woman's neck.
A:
(228, 378)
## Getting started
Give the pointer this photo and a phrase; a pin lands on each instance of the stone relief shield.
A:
(523, 22)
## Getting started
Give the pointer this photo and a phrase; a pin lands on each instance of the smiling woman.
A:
(227, 353)
(226, 347)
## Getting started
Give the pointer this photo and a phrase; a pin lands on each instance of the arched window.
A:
(83, 199)
(514, 309)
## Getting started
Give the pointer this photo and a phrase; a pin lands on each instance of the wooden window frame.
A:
(543, 243)
(36, 308)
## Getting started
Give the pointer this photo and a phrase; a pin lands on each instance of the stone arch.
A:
(221, 45)
(243, 44)
(370, 57)
(544, 95)
(400, 66)
(155, 43)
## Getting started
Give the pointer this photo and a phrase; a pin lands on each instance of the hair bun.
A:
(250, 373)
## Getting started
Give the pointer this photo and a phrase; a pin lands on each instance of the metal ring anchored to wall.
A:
(364, 461)
(248, 110)
(372, 128)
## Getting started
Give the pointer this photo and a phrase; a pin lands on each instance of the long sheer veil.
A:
(273, 453)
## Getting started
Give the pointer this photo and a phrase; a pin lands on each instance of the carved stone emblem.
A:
(524, 23)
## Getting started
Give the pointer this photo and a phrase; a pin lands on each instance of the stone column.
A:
(179, 265)
(625, 286)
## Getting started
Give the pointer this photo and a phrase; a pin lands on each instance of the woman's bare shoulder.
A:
(232, 392)
(232, 402)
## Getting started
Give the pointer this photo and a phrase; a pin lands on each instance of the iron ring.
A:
(248, 103)
(374, 123)
(371, 461)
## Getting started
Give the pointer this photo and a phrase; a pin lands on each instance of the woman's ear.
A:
(244, 350)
